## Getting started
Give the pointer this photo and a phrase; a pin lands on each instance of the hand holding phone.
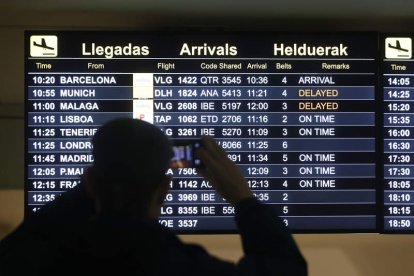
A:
(225, 176)
(184, 154)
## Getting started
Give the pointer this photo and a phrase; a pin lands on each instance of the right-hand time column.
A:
(398, 133)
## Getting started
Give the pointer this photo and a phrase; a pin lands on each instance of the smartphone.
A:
(184, 154)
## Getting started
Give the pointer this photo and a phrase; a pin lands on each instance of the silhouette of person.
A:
(108, 224)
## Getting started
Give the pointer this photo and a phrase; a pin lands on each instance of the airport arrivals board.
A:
(319, 123)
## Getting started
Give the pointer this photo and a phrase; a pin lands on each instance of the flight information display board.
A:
(301, 114)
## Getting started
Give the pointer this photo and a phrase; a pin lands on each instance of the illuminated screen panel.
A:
(398, 95)
(297, 112)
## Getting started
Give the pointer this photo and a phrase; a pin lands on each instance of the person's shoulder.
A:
(71, 206)
(193, 259)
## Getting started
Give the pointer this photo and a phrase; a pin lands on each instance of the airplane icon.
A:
(43, 45)
(397, 46)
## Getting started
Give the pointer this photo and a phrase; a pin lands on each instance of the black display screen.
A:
(319, 125)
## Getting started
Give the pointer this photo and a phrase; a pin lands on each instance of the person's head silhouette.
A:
(131, 158)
